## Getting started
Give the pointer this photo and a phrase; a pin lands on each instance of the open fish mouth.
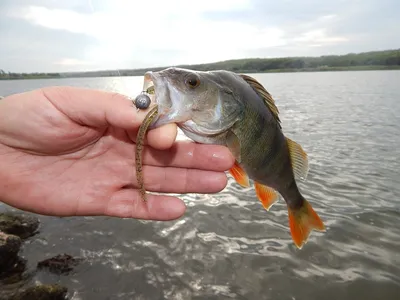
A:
(148, 84)
(150, 87)
(166, 97)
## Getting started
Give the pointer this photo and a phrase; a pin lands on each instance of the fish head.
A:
(198, 102)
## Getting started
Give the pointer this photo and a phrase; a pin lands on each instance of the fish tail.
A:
(302, 221)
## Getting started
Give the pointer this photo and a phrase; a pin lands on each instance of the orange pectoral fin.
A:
(240, 175)
(267, 196)
(301, 223)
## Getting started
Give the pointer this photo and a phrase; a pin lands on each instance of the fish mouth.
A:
(148, 83)
(165, 97)
(152, 86)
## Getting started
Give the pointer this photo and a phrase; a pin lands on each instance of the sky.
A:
(62, 36)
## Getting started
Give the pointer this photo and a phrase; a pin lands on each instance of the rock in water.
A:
(12, 266)
(21, 225)
(9, 248)
(43, 292)
(59, 264)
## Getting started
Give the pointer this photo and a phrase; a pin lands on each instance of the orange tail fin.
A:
(302, 221)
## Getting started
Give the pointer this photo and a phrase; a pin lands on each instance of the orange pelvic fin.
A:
(240, 175)
(267, 196)
(302, 221)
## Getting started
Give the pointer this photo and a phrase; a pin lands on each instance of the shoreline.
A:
(302, 70)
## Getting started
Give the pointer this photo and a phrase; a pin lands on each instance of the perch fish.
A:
(235, 110)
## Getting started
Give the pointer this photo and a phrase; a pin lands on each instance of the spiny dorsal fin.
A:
(262, 92)
(299, 159)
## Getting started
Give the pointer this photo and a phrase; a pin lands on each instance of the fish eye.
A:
(192, 81)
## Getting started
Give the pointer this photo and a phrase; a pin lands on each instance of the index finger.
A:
(187, 154)
(95, 108)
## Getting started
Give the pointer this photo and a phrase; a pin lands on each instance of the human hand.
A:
(70, 152)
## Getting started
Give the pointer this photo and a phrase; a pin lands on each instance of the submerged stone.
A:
(21, 225)
(12, 266)
(9, 248)
(42, 292)
(59, 264)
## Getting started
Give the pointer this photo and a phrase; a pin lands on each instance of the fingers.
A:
(99, 109)
(127, 203)
(159, 138)
(186, 154)
(163, 137)
(181, 181)
(95, 108)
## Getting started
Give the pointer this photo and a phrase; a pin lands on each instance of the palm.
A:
(78, 165)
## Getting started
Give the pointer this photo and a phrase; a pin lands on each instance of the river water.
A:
(227, 246)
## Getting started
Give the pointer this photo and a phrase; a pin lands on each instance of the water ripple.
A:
(227, 246)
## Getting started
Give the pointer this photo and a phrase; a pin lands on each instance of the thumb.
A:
(95, 108)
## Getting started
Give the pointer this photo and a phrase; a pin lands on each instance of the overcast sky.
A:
(74, 35)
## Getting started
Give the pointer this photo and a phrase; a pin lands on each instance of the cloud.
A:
(173, 26)
(71, 62)
(318, 38)
(81, 35)
(127, 19)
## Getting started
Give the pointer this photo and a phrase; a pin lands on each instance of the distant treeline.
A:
(375, 60)
(369, 60)
(10, 75)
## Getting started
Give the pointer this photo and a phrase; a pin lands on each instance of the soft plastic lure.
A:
(139, 149)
